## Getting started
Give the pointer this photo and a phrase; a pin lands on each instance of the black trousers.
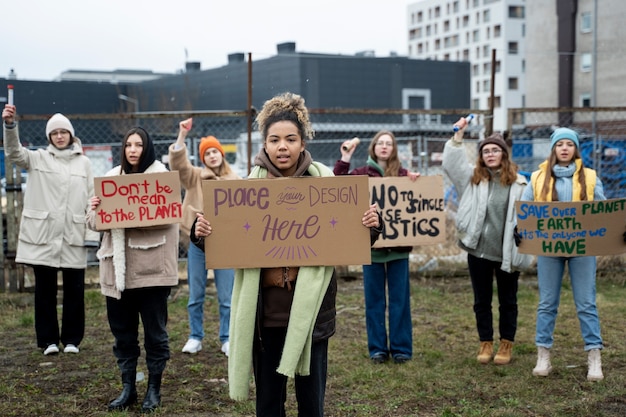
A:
(482, 272)
(151, 305)
(271, 387)
(73, 315)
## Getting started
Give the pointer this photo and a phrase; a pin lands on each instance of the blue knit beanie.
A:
(563, 133)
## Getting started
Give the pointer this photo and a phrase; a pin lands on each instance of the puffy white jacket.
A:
(473, 206)
(60, 183)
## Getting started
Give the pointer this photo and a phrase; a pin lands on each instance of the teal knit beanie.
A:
(563, 133)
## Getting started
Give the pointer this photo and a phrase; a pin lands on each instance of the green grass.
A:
(442, 380)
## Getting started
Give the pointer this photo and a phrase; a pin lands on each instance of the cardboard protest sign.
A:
(413, 211)
(286, 222)
(138, 200)
(582, 228)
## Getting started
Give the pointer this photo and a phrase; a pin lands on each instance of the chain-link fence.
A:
(421, 135)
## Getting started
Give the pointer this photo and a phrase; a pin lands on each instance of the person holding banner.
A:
(138, 267)
(53, 234)
(563, 177)
(282, 318)
(389, 267)
(214, 167)
(488, 189)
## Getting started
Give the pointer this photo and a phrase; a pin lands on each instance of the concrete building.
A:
(568, 58)
(469, 30)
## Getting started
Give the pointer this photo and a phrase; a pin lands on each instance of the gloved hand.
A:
(518, 237)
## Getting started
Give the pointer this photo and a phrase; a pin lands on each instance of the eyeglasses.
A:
(384, 143)
(487, 152)
(59, 132)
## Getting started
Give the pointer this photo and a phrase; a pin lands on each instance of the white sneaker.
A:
(51, 350)
(595, 366)
(225, 348)
(192, 346)
(70, 348)
(544, 367)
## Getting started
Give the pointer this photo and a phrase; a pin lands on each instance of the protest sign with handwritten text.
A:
(138, 200)
(287, 222)
(582, 228)
(413, 211)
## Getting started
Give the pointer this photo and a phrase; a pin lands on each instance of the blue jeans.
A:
(395, 276)
(196, 278)
(582, 272)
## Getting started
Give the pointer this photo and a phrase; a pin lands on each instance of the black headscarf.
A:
(148, 156)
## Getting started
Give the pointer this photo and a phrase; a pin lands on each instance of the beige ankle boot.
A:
(595, 366)
(486, 352)
(544, 367)
(505, 351)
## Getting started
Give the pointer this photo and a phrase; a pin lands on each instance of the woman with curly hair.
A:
(282, 318)
(488, 190)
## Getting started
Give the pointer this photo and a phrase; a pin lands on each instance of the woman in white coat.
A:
(52, 227)
(488, 189)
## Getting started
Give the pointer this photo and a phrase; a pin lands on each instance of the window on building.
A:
(585, 100)
(477, 17)
(428, 30)
(513, 48)
(513, 83)
(487, 68)
(475, 70)
(486, 85)
(516, 12)
(496, 31)
(437, 11)
(477, 86)
(475, 3)
(486, 16)
(420, 48)
(465, 54)
(475, 103)
(446, 26)
(465, 21)
(446, 57)
(419, 17)
(488, 32)
(437, 44)
(475, 35)
(586, 24)
(477, 53)
(523, 66)
(497, 66)
(496, 102)
(455, 6)
(486, 51)
(585, 62)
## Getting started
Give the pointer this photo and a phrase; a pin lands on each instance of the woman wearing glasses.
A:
(387, 277)
(488, 190)
(52, 227)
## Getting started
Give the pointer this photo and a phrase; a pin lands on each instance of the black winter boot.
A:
(128, 396)
(153, 395)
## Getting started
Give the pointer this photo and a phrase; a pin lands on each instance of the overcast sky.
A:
(43, 38)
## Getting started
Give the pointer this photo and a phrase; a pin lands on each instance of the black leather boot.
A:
(153, 394)
(128, 396)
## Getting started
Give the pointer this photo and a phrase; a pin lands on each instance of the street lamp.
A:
(131, 100)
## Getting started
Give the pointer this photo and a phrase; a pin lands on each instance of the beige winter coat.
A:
(59, 185)
(137, 257)
(191, 179)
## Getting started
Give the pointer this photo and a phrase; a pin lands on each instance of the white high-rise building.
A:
(470, 30)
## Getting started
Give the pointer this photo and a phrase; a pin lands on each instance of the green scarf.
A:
(309, 293)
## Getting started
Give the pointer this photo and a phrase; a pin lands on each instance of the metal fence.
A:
(421, 136)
